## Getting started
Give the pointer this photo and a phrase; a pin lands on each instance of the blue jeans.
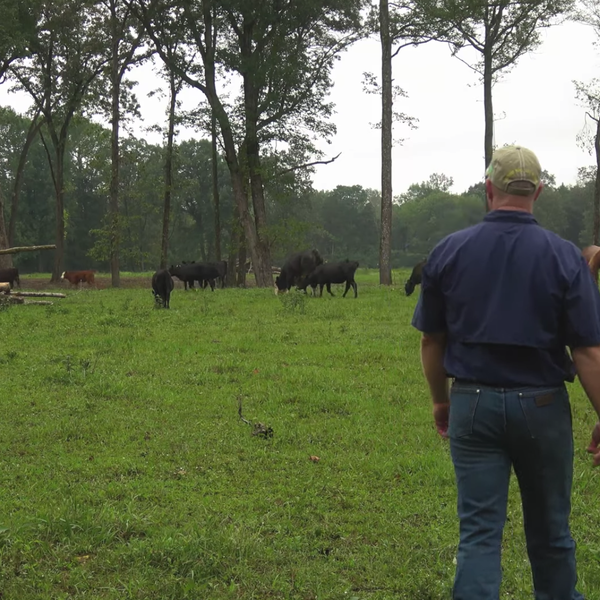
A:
(530, 429)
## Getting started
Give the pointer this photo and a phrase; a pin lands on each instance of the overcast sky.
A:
(534, 105)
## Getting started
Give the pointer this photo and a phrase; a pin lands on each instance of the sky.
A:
(534, 105)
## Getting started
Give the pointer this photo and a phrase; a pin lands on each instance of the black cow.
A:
(415, 278)
(221, 267)
(328, 273)
(200, 272)
(162, 286)
(10, 276)
(296, 268)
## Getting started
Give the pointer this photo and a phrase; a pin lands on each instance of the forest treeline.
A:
(261, 74)
(341, 223)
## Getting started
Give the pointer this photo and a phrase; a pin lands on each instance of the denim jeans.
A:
(528, 429)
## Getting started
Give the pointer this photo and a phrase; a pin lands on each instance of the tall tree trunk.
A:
(215, 182)
(115, 233)
(168, 172)
(259, 246)
(5, 260)
(34, 127)
(231, 155)
(596, 232)
(262, 263)
(241, 262)
(234, 240)
(59, 253)
(488, 107)
(385, 242)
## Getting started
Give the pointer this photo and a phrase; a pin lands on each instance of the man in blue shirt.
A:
(500, 303)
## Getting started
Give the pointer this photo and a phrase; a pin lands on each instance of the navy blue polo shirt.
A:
(511, 296)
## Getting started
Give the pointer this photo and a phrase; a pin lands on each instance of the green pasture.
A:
(127, 472)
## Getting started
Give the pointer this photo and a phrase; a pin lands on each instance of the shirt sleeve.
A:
(582, 308)
(430, 312)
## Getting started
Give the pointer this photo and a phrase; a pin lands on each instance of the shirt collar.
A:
(510, 216)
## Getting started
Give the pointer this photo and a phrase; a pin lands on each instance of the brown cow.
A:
(76, 277)
(592, 257)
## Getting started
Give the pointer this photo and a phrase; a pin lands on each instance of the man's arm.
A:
(433, 347)
(587, 364)
(582, 312)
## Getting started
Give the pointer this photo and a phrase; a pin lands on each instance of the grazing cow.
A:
(162, 286)
(415, 278)
(200, 272)
(296, 268)
(10, 276)
(221, 267)
(77, 277)
(328, 273)
(592, 257)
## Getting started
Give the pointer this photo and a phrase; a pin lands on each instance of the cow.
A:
(77, 277)
(221, 267)
(592, 257)
(200, 272)
(415, 278)
(10, 275)
(328, 273)
(162, 286)
(296, 268)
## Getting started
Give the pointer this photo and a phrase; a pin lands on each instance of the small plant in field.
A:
(293, 301)
(4, 303)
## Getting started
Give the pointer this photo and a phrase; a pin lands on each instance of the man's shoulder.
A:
(454, 238)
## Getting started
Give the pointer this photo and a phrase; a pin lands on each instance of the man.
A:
(500, 302)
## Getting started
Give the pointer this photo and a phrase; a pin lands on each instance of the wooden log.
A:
(18, 249)
(50, 294)
(13, 300)
(5, 288)
(46, 302)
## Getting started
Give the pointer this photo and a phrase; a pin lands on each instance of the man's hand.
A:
(594, 443)
(441, 412)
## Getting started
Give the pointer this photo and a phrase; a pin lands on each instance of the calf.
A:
(200, 272)
(328, 273)
(162, 286)
(592, 257)
(77, 277)
(10, 275)
(415, 278)
(296, 268)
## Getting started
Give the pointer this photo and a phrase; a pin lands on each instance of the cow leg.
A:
(329, 289)
(212, 284)
(348, 286)
(355, 288)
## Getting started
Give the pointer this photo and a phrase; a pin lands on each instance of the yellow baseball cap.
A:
(515, 170)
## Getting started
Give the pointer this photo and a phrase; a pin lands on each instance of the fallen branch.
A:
(49, 294)
(18, 249)
(259, 428)
(45, 302)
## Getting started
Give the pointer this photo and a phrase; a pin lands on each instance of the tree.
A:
(413, 22)
(174, 89)
(66, 57)
(501, 31)
(283, 53)
(437, 182)
(18, 22)
(123, 42)
(589, 95)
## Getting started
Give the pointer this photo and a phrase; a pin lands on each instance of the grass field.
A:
(128, 473)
